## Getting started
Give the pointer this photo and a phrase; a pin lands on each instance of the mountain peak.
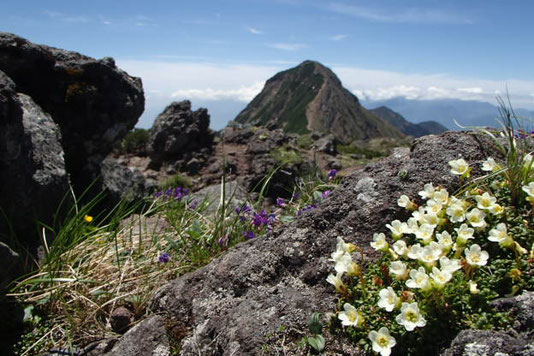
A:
(310, 97)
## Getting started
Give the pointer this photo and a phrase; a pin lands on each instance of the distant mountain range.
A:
(445, 111)
(408, 128)
(309, 98)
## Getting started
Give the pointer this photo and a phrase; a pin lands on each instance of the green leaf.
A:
(316, 342)
(315, 325)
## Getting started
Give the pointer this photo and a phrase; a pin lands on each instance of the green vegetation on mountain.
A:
(309, 98)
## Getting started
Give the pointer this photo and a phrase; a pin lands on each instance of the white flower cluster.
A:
(434, 244)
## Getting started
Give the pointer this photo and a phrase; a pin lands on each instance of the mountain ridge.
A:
(310, 97)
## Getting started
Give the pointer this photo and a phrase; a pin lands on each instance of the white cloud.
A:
(407, 15)
(475, 90)
(244, 93)
(254, 31)
(338, 37)
(204, 82)
(78, 19)
(288, 46)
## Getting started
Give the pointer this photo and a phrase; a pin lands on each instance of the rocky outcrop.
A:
(180, 135)
(33, 178)
(251, 155)
(310, 97)
(517, 341)
(236, 304)
(92, 101)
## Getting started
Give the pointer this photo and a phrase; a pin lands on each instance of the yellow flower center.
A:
(382, 341)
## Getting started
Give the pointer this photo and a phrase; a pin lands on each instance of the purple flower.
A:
(243, 209)
(260, 219)
(332, 174)
(164, 257)
(249, 234)
(325, 194)
(223, 241)
(306, 208)
(295, 196)
(158, 194)
(281, 202)
(194, 205)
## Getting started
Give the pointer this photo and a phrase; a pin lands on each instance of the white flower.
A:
(475, 256)
(350, 316)
(412, 225)
(418, 214)
(433, 206)
(489, 165)
(473, 288)
(430, 253)
(527, 160)
(431, 219)
(344, 246)
(400, 248)
(485, 201)
(476, 218)
(415, 251)
(456, 212)
(425, 232)
(464, 233)
(499, 234)
(343, 264)
(529, 189)
(397, 228)
(444, 240)
(382, 342)
(450, 265)
(440, 277)
(496, 209)
(399, 269)
(404, 201)
(428, 191)
(336, 281)
(441, 196)
(459, 166)
(418, 279)
(379, 242)
(410, 316)
(388, 299)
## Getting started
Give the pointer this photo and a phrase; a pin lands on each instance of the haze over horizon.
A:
(218, 54)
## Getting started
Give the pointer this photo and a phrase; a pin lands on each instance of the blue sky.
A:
(219, 53)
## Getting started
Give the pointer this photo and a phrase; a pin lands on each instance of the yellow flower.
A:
(88, 218)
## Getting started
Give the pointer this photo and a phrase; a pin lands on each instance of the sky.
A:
(219, 53)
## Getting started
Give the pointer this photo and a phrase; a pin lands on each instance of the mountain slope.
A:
(309, 98)
(398, 121)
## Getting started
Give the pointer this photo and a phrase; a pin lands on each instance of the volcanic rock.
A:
(179, 134)
(236, 304)
(92, 101)
(33, 179)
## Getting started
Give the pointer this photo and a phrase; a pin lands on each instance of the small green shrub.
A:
(135, 141)
(287, 155)
(175, 181)
(367, 153)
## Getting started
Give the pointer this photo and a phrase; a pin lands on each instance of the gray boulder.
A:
(236, 304)
(92, 101)
(33, 179)
(180, 134)
(518, 341)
